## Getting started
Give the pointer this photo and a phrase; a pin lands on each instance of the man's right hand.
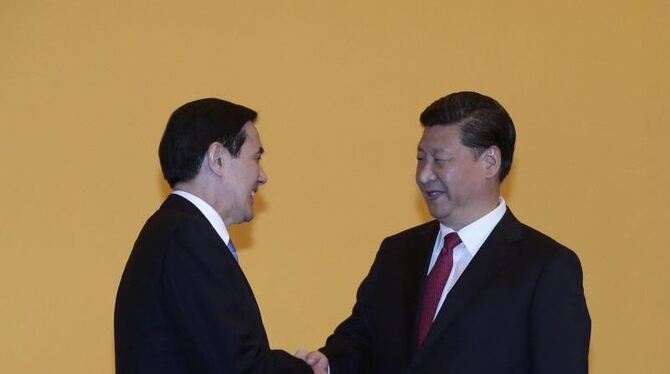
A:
(317, 360)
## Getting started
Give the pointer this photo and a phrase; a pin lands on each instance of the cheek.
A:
(446, 175)
(253, 177)
(250, 173)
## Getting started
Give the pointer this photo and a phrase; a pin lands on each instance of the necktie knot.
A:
(451, 240)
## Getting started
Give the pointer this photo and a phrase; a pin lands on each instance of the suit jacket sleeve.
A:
(349, 348)
(213, 307)
(560, 324)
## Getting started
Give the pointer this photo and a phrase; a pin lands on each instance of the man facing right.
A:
(476, 291)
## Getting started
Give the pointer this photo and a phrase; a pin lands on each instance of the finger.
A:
(312, 358)
(317, 359)
(301, 354)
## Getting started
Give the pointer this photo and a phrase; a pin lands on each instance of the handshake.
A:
(317, 360)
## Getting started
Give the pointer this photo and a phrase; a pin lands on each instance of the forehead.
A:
(440, 136)
(253, 139)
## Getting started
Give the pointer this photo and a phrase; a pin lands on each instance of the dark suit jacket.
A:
(184, 305)
(518, 308)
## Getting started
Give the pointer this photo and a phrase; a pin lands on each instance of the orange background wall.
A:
(86, 88)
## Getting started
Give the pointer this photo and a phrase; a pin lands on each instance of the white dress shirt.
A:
(212, 216)
(472, 237)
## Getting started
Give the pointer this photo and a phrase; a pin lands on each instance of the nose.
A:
(424, 173)
(262, 178)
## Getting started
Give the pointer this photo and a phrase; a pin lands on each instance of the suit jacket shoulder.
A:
(184, 304)
(517, 308)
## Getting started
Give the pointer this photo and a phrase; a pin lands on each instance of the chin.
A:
(438, 214)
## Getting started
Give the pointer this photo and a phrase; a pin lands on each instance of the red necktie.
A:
(435, 282)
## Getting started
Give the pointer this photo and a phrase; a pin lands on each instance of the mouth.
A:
(432, 195)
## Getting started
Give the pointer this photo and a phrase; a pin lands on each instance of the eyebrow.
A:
(434, 149)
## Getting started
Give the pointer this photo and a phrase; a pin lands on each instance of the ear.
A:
(216, 158)
(491, 159)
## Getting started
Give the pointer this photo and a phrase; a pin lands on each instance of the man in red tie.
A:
(475, 291)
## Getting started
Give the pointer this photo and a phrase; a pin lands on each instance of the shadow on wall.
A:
(421, 208)
(163, 186)
(508, 184)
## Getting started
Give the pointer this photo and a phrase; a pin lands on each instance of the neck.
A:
(207, 191)
(193, 189)
(474, 212)
(201, 190)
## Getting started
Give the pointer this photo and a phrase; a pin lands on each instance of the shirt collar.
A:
(212, 216)
(475, 234)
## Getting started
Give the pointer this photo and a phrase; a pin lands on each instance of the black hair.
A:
(192, 128)
(482, 120)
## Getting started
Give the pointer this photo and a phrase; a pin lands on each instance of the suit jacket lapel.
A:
(179, 203)
(495, 253)
(212, 238)
(417, 274)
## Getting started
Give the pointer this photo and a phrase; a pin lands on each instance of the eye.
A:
(441, 157)
(420, 156)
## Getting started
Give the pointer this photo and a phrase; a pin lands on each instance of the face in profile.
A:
(243, 176)
(451, 179)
